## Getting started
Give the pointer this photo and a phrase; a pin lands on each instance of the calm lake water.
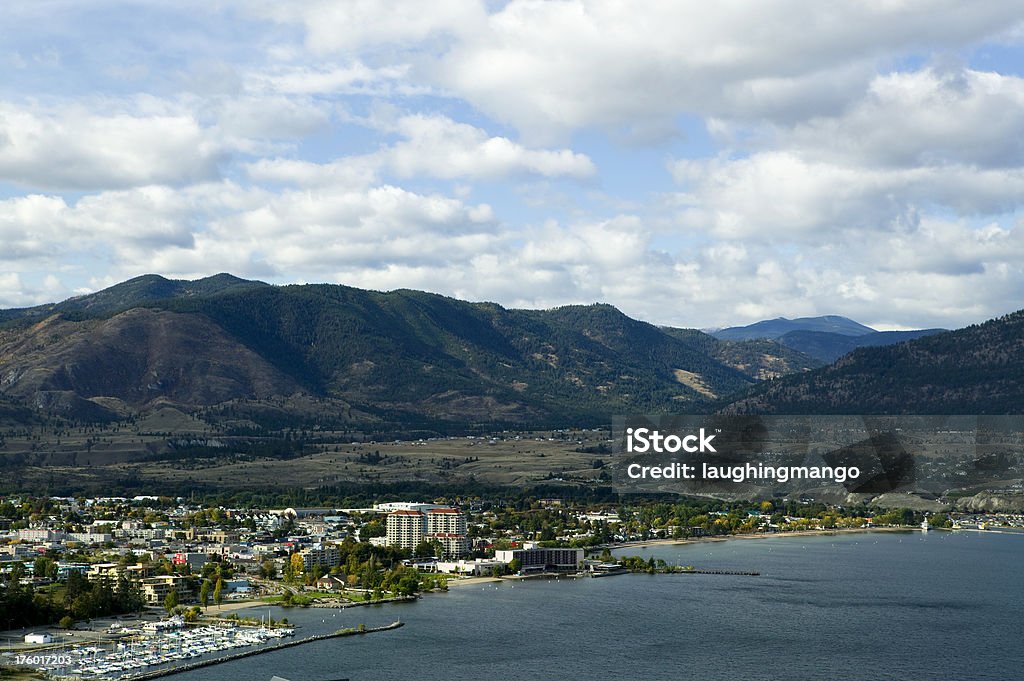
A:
(866, 606)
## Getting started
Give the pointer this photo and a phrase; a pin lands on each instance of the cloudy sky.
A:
(693, 163)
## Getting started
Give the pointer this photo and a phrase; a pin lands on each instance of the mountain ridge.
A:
(828, 347)
(400, 356)
(247, 353)
(131, 293)
(773, 329)
(825, 338)
(978, 369)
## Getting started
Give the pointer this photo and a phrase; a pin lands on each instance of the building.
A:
(193, 559)
(38, 638)
(406, 528)
(296, 513)
(139, 571)
(413, 524)
(134, 532)
(543, 560)
(91, 538)
(104, 571)
(41, 535)
(452, 545)
(65, 569)
(478, 568)
(393, 506)
(17, 551)
(322, 555)
(330, 583)
(155, 589)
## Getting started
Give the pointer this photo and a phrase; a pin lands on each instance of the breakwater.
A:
(671, 570)
(341, 605)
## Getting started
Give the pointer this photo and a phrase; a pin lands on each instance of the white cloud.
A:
(335, 79)
(368, 24)
(490, 151)
(26, 291)
(79, 149)
(775, 195)
(551, 68)
(31, 228)
(440, 147)
(386, 237)
(919, 143)
(303, 233)
(920, 118)
(780, 195)
(432, 146)
(271, 117)
(359, 171)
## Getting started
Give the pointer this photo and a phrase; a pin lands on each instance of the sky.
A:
(695, 164)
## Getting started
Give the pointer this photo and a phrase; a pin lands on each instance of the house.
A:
(330, 583)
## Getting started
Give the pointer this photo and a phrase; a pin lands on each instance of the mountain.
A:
(135, 358)
(826, 339)
(132, 293)
(776, 328)
(975, 370)
(250, 353)
(828, 347)
(759, 358)
(247, 355)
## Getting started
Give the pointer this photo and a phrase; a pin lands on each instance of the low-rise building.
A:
(330, 583)
(41, 535)
(478, 568)
(155, 589)
(194, 560)
(38, 638)
(91, 538)
(543, 559)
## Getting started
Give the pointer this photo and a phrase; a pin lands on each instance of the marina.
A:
(146, 650)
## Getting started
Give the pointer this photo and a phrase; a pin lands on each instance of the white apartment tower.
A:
(408, 527)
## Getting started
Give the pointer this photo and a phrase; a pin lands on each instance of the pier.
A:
(737, 573)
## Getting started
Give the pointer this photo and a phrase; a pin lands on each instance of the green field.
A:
(146, 457)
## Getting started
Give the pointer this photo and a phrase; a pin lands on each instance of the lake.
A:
(898, 606)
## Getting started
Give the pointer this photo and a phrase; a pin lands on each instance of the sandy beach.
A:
(731, 537)
(470, 581)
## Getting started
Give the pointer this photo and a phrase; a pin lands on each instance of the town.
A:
(81, 558)
(159, 571)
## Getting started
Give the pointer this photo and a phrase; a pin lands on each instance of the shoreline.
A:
(471, 581)
(645, 543)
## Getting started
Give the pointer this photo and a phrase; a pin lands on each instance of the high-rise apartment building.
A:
(416, 523)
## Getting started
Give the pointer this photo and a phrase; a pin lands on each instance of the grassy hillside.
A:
(759, 359)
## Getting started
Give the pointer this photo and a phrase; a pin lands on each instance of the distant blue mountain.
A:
(776, 328)
(975, 370)
(825, 338)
